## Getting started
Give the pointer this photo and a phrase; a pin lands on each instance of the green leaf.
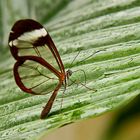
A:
(106, 34)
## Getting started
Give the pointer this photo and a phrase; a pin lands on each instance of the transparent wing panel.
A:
(27, 49)
(36, 77)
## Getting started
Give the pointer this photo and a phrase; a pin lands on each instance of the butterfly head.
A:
(69, 73)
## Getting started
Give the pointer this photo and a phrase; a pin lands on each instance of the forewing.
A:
(30, 38)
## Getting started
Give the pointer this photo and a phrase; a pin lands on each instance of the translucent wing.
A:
(33, 76)
(30, 38)
(39, 69)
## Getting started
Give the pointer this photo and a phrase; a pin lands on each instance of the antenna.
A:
(75, 58)
(86, 57)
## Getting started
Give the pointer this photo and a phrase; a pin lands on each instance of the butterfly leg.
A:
(84, 85)
(65, 86)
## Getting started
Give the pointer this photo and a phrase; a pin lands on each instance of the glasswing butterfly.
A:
(38, 66)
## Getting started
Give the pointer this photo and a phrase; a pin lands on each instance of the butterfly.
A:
(38, 68)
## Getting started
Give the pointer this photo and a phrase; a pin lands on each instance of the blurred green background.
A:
(121, 124)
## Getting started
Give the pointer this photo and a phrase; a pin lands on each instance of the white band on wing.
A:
(33, 35)
(13, 43)
(29, 36)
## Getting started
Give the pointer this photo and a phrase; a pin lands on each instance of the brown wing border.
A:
(55, 52)
(38, 60)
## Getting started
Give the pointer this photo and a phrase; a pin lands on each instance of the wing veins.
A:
(39, 84)
(24, 65)
(30, 76)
